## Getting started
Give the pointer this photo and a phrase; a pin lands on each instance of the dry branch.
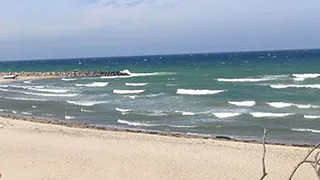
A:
(264, 173)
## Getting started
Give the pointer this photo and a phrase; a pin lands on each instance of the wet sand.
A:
(31, 150)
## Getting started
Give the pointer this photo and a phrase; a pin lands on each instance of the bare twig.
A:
(264, 173)
(305, 160)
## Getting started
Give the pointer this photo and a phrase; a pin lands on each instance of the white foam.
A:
(134, 123)
(226, 115)
(27, 82)
(302, 77)
(127, 91)
(311, 117)
(181, 126)
(243, 103)
(284, 86)
(94, 84)
(184, 113)
(26, 113)
(198, 91)
(50, 90)
(69, 79)
(305, 106)
(14, 112)
(136, 84)
(123, 110)
(279, 104)
(69, 117)
(34, 107)
(245, 79)
(86, 103)
(156, 113)
(306, 130)
(87, 111)
(52, 95)
(171, 85)
(24, 99)
(267, 114)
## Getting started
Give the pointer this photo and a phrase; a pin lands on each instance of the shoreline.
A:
(78, 125)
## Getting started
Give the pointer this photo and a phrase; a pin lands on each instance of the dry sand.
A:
(35, 151)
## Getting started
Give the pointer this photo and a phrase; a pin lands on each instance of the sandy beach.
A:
(44, 151)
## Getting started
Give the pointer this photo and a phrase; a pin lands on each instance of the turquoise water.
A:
(232, 94)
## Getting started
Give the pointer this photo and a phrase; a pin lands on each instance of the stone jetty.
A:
(67, 74)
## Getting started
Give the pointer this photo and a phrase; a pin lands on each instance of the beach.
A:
(44, 151)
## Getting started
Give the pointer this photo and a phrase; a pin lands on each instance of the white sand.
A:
(34, 151)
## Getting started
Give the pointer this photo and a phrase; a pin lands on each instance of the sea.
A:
(234, 94)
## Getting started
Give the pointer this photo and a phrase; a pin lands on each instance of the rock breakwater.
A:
(67, 74)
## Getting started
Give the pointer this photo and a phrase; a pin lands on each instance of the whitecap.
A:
(305, 106)
(69, 117)
(226, 115)
(302, 77)
(26, 113)
(243, 103)
(136, 84)
(50, 90)
(86, 103)
(69, 79)
(127, 91)
(137, 74)
(245, 79)
(184, 113)
(306, 130)
(182, 126)
(279, 104)
(34, 107)
(24, 99)
(198, 91)
(311, 117)
(52, 95)
(94, 84)
(27, 82)
(171, 85)
(87, 111)
(134, 123)
(156, 113)
(284, 86)
(123, 110)
(267, 114)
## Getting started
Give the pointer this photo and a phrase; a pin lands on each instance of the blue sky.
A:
(37, 29)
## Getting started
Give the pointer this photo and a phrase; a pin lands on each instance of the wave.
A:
(123, 110)
(284, 86)
(136, 84)
(184, 113)
(171, 85)
(24, 99)
(302, 77)
(306, 130)
(69, 117)
(135, 123)
(69, 79)
(87, 111)
(198, 91)
(137, 74)
(34, 107)
(86, 103)
(182, 126)
(226, 115)
(127, 91)
(266, 114)
(156, 113)
(27, 82)
(50, 90)
(245, 79)
(311, 117)
(94, 84)
(243, 103)
(26, 113)
(40, 94)
(279, 104)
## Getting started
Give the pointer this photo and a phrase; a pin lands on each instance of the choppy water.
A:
(234, 94)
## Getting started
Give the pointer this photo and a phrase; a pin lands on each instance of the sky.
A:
(46, 29)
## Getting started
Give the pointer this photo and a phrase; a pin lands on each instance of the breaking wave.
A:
(198, 91)
(302, 77)
(69, 117)
(284, 86)
(86, 103)
(26, 113)
(94, 84)
(182, 126)
(87, 111)
(136, 84)
(123, 110)
(306, 130)
(40, 94)
(127, 91)
(226, 115)
(266, 114)
(135, 123)
(27, 82)
(50, 90)
(69, 79)
(184, 113)
(279, 104)
(311, 117)
(138, 74)
(243, 103)
(24, 99)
